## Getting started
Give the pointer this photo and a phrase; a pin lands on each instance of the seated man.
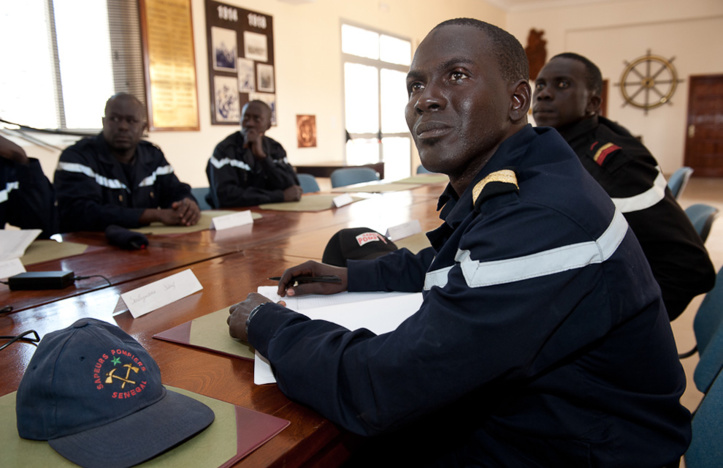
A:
(116, 178)
(542, 339)
(248, 168)
(27, 199)
(567, 97)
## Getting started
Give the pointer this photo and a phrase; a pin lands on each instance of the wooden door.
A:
(704, 139)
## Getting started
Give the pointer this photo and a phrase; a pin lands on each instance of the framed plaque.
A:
(170, 64)
(241, 61)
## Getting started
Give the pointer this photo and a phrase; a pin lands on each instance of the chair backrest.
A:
(702, 217)
(706, 447)
(679, 180)
(708, 329)
(353, 175)
(200, 194)
(308, 183)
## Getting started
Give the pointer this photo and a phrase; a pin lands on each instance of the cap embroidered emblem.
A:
(125, 378)
(367, 237)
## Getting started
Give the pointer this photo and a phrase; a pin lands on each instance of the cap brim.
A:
(139, 436)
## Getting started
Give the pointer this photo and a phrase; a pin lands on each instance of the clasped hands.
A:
(239, 313)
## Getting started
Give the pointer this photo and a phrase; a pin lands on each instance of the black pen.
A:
(312, 279)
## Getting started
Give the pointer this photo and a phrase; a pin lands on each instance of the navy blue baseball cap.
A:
(95, 394)
(356, 244)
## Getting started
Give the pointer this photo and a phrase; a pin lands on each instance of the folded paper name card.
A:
(232, 220)
(342, 200)
(160, 293)
(401, 231)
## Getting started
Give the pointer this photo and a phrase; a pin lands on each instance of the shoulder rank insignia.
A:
(603, 151)
(497, 183)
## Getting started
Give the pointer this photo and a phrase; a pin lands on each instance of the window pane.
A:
(357, 41)
(397, 154)
(85, 65)
(394, 100)
(362, 151)
(27, 92)
(361, 98)
(395, 50)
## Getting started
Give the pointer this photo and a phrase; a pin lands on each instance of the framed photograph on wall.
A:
(241, 60)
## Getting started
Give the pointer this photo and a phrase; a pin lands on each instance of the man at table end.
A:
(248, 168)
(542, 339)
(115, 178)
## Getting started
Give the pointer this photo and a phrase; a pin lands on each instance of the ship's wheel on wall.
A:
(648, 81)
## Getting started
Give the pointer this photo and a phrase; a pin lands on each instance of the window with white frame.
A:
(375, 71)
(64, 58)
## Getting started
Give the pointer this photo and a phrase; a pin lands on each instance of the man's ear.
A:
(520, 100)
(593, 105)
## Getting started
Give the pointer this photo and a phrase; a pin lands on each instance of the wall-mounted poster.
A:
(170, 65)
(306, 131)
(241, 60)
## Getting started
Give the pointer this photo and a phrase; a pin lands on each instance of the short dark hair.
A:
(123, 95)
(261, 103)
(510, 54)
(593, 77)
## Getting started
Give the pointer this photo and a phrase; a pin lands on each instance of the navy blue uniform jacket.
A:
(627, 171)
(237, 178)
(542, 339)
(27, 198)
(94, 191)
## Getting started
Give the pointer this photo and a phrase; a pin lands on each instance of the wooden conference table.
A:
(234, 265)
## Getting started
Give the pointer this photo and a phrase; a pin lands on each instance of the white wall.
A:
(309, 69)
(611, 33)
(307, 46)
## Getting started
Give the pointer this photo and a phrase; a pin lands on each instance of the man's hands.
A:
(239, 314)
(293, 193)
(252, 140)
(183, 212)
(312, 268)
(12, 152)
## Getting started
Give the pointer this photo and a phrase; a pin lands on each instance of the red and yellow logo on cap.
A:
(121, 372)
(367, 237)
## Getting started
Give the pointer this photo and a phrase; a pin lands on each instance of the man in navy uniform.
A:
(567, 97)
(542, 339)
(115, 178)
(27, 199)
(248, 168)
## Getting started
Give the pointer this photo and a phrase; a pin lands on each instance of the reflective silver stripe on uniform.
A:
(478, 274)
(643, 200)
(100, 180)
(151, 179)
(218, 164)
(9, 187)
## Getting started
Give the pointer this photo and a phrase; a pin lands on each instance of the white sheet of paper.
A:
(14, 242)
(378, 312)
(11, 267)
(401, 231)
(342, 200)
(232, 220)
(153, 296)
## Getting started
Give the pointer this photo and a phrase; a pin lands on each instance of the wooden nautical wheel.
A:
(648, 81)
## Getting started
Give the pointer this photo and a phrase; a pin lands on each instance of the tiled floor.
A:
(710, 191)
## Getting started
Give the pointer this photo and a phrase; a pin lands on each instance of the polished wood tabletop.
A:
(229, 265)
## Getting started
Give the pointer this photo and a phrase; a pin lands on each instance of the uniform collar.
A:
(456, 209)
(578, 129)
